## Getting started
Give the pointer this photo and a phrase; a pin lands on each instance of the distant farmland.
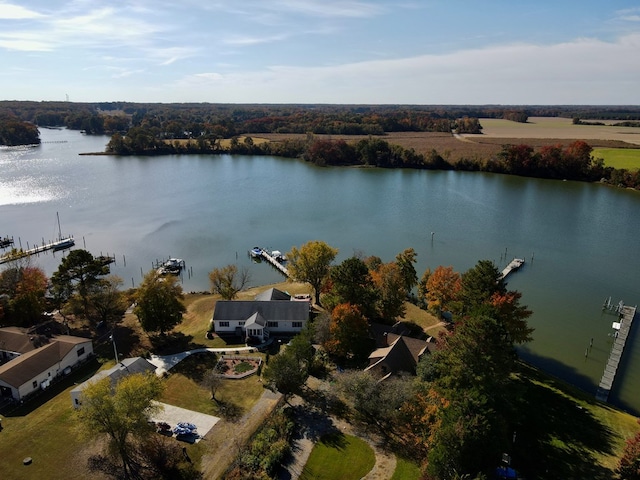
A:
(555, 128)
(628, 158)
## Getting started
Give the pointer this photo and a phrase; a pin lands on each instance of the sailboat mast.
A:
(59, 230)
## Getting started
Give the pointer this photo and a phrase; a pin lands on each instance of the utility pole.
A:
(115, 350)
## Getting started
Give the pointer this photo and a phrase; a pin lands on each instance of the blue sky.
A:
(322, 51)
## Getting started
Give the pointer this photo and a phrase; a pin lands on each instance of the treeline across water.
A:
(572, 162)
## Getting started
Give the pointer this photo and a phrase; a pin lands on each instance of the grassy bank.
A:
(628, 158)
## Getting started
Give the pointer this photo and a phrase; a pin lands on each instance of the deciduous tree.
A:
(349, 331)
(107, 300)
(311, 263)
(25, 289)
(629, 465)
(159, 304)
(390, 291)
(120, 414)
(443, 287)
(228, 281)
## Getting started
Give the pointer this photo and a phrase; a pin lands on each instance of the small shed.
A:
(122, 369)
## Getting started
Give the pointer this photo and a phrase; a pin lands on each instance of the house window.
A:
(223, 324)
(241, 323)
(272, 324)
(297, 324)
(35, 384)
(81, 351)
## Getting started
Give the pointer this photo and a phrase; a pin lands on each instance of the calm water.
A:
(579, 240)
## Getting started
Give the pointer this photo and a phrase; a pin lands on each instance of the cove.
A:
(579, 240)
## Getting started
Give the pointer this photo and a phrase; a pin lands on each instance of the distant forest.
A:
(158, 129)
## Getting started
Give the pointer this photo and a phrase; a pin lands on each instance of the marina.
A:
(622, 329)
(62, 244)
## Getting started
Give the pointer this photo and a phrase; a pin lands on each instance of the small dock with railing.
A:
(622, 329)
(514, 265)
(275, 258)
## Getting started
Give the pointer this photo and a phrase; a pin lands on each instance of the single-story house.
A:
(33, 361)
(272, 312)
(401, 354)
(126, 367)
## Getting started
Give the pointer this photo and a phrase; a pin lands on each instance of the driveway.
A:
(173, 415)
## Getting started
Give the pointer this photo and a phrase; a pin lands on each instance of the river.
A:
(579, 240)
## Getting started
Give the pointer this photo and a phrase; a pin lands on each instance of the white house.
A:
(273, 312)
(126, 367)
(33, 361)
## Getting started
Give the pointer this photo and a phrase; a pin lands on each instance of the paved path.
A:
(167, 362)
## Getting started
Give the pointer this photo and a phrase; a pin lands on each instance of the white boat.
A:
(255, 252)
(62, 243)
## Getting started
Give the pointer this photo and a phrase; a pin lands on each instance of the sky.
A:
(425, 52)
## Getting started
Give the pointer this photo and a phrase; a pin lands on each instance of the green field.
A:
(628, 158)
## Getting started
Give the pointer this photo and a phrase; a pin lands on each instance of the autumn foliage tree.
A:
(348, 332)
(23, 290)
(629, 465)
(443, 286)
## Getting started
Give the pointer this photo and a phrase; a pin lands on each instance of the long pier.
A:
(514, 265)
(264, 254)
(627, 314)
(62, 244)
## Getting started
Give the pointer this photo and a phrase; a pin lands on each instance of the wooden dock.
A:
(627, 314)
(514, 265)
(62, 244)
(265, 255)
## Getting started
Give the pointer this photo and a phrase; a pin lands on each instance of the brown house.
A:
(400, 354)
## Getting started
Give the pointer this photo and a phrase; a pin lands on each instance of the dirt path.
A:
(226, 439)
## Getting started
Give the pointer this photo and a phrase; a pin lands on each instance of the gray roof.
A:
(270, 310)
(27, 366)
(123, 368)
(272, 294)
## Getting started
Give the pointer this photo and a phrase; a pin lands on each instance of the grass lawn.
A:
(45, 430)
(628, 158)
(183, 388)
(339, 456)
(406, 470)
(426, 320)
(565, 431)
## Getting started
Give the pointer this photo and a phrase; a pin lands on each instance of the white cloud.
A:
(247, 40)
(353, 9)
(581, 71)
(9, 11)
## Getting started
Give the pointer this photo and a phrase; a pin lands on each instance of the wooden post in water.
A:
(124, 260)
